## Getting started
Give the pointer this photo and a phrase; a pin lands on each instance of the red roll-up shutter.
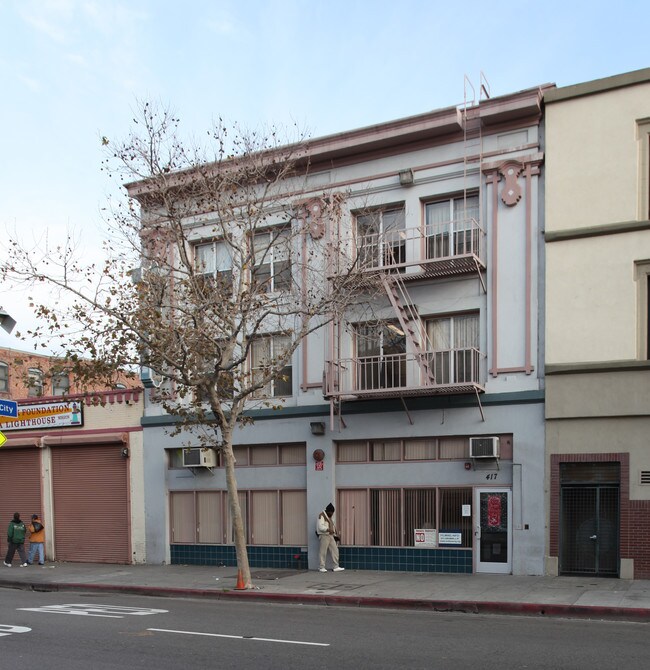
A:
(20, 488)
(91, 504)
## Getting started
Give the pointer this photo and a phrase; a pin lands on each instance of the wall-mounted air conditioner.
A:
(484, 447)
(199, 458)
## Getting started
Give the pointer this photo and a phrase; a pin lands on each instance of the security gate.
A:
(589, 519)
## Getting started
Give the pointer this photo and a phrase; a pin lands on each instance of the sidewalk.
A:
(582, 597)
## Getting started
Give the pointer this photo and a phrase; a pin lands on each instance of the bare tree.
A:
(236, 263)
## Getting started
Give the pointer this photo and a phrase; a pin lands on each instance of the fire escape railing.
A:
(431, 247)
(448, 371)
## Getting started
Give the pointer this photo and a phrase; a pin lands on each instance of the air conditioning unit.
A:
(199, 458)
(484, 447)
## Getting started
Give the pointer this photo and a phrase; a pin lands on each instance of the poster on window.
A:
(424, 537)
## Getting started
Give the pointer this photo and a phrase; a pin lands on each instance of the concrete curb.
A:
(634, 614)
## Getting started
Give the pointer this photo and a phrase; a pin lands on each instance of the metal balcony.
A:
(436, 250)
(452, 371)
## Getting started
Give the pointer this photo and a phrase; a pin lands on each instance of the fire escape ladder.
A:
(410, 322)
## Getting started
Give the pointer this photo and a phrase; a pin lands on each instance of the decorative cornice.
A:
(596, 231)
(597, 86)
(595, 367)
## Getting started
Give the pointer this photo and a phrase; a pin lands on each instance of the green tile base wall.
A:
(258, 557)
(354, 558)
(406, 559)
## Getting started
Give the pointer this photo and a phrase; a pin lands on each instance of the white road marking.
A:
(107, 611)
(6, 629)
(239, 637)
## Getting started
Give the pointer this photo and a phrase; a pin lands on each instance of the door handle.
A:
(592, 537)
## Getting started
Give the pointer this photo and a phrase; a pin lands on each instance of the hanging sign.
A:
(44, 416)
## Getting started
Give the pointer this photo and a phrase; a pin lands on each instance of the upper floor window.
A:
(454, 343)
(60, 383)
(272, 249)
(380, 237)
(213, 260)
(4, 377)
(643, 137)
(381, 360)
(452, 227)
(34, 383)
(265, 352)
(642, 276)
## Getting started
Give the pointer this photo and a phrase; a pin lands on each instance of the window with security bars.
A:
(388, 517)
(274, 517)
(410, 449)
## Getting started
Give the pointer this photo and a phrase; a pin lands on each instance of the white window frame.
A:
(272, 249)
(35, 383)
(219, 257)
(271, 390)
(4, 377)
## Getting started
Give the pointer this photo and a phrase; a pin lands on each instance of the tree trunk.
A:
(235, 511)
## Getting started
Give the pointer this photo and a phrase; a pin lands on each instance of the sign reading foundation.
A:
(45, 415)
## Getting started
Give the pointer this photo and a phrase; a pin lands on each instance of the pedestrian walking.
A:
(16, 541)
(36, 540)
(328, 537)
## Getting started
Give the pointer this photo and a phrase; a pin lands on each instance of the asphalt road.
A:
(71, 631)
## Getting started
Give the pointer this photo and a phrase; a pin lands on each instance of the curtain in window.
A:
(351, 452)
(454, 447)
(419, 512)
(451, 513)
(386, 451)
(294, 518)
(419, 450)
(265, 526)
(264, 454)
(352, 517)
(244, 513)
(385, 518)
(209, 506)
(183, 519)
(204, 258)
(293, 454)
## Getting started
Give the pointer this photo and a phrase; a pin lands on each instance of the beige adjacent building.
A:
(597, 237)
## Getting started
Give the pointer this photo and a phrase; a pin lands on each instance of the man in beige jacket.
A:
(328, 536)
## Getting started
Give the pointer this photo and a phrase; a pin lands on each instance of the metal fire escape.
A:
(401, 257)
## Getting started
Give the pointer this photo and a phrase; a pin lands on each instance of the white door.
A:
(493, 530)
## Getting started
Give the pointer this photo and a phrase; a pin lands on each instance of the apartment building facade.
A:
(423, 425)
(597, 372)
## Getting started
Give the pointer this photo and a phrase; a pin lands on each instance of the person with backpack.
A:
(36, 540)
(16, 541)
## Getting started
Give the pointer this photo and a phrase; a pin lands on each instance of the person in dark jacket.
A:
(16, 541)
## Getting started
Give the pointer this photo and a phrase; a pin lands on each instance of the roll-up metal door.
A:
(20, 488)
(91, 504)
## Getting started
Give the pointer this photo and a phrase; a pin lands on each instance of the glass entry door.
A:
(493, 530)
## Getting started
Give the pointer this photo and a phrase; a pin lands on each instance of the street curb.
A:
(635, 614)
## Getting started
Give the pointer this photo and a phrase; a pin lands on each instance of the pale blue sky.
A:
(71, 71)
